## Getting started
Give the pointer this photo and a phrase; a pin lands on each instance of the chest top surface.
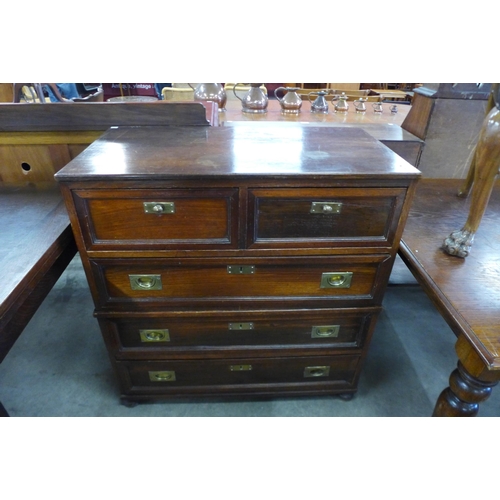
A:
(135, 153)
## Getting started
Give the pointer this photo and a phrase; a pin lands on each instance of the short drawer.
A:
(156, 219)
(249, 375)
(210, 334)
(326, 216)
(192, 283)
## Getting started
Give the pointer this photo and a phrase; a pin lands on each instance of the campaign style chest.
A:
(231, 262)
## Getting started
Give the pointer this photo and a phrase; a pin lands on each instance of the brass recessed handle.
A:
(316, 371)
(325, 331)
(145, 281)
(154, 335)
(336, 280)
(162, 376)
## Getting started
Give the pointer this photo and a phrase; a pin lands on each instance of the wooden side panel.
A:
(417, 120)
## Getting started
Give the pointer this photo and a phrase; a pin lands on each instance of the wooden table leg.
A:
(471, 383)
(482, 175)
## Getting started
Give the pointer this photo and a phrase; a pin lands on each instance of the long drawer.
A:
(202, 283)
(205, 334)
(240, 376)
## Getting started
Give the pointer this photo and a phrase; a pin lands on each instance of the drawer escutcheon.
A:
(241, 269)
(327, 331)
(325, 207)
(159, 207)
(240, 326)
(155, 335)
(240, 368)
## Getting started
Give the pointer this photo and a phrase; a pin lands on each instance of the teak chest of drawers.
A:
(237, 262)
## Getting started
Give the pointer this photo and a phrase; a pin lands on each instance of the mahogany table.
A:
(466, 292)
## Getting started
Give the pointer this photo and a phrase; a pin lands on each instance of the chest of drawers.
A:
(237, 262)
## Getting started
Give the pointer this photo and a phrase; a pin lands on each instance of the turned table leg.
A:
(470, 384)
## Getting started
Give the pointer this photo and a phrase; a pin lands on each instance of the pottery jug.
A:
(210, 92)
(359, 105)
(377, 107)
(341, 105)
(291, 101)
(394, 109)
(255, 100)
(320, 105)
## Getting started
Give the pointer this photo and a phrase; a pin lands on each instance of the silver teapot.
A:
(210, 92)
(320, 104)
(255, 100)
(291, 101)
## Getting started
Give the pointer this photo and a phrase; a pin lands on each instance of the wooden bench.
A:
(36, 240)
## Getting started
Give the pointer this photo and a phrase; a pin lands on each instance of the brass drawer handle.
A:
(316, 371)
(240, 368)
(325, 207)
(145, 281)
(327, 331)
(336, 280)
(159, 207)
(163, 376)
(154, 335)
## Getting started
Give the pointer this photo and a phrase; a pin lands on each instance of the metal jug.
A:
(255, 100)
(210, 92)
(291, 101)
(320, 105)
(377, 107)
(359, 105)
(341, 105)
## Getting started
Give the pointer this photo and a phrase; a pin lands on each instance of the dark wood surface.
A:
(36, 242)
(36, 245)
(157, 153)
(242, 245)
(465, 291)
(383, 126)
(101, 116)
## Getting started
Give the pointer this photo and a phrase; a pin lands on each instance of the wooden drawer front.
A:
(319, 217)
(177, 377)
(196, 335)
(186, 218)
(194, 283)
